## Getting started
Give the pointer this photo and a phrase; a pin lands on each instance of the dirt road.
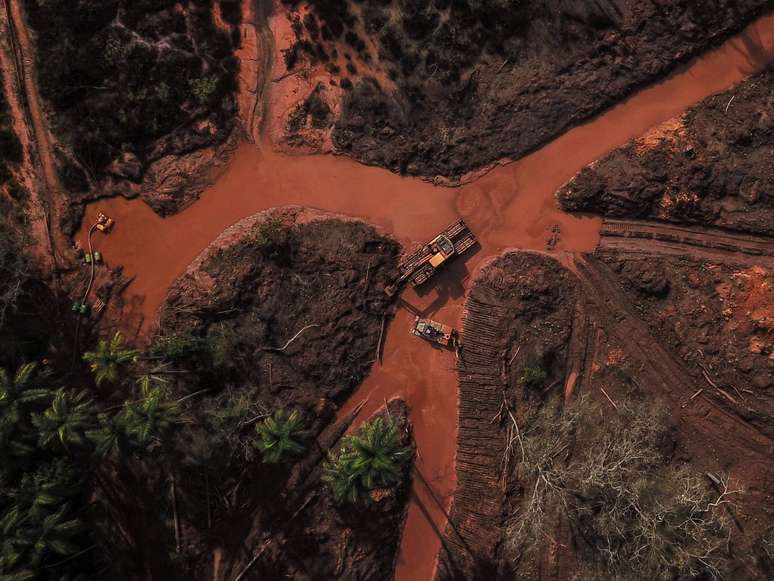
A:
(512, 206)
(638, 236)
(21, 93)
(24, 54)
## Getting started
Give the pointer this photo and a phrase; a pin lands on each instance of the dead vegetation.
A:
(634, 514)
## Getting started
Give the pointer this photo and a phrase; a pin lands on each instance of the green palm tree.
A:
(27, 542)
(66, 420)
(16, 397)
(109, 359)
(281, 436)
(41, 491)
(17, 390)
(14, 443)
(149, 419)
(12, 552)
(54, 534)
(111, 438)
(372, 458)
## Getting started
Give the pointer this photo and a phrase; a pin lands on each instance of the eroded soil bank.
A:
(513, 205)
(450, 87)
(711, 166)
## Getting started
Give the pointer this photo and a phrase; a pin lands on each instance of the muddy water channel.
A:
(512, 206)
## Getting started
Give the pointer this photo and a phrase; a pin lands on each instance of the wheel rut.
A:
(741, 442)
(638, 236)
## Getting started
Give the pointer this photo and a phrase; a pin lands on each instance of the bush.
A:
(533, 376)
(640, 517)
(14, 270)
(281, 437)
(203, 89)
(178, 348)
(273, 237)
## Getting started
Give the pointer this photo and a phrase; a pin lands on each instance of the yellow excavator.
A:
(420, 266)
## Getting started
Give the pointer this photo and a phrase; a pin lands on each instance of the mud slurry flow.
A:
(512, 206)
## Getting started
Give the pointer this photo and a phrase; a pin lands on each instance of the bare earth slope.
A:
(711, 166)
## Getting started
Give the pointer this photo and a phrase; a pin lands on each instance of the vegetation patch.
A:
(464, 83)
(373, 458)
(712, 166)
(134, 79)
(635, 514)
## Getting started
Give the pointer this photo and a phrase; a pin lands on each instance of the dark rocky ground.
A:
(713, 166)
(466, 83)
(250, 298)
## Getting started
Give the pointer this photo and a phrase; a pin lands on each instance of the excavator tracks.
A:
(633, 236)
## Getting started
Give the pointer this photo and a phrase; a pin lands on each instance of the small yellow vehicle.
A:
(104, 224)
(420, 266)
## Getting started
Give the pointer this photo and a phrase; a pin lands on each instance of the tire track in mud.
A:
(474, 528)
(13, 88)
(639, 236)
(581, 351)
(24, 57)
(741, 442)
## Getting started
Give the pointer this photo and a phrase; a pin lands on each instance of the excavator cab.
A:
(443, 249)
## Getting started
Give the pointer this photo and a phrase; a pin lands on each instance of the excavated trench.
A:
(512, 206)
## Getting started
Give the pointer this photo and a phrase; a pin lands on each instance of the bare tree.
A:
(641, 517)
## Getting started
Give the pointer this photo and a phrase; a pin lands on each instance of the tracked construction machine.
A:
(423, 264)
(435, 332)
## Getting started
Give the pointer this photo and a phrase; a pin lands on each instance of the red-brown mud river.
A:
(512, 206)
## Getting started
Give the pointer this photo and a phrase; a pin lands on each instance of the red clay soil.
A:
(511, 206)
(718, 317)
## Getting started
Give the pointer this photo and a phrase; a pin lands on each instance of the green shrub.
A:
(14, 268)
(273, 237)
(281, 437)
(178, 348)
(533, 376)
(203, 89)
